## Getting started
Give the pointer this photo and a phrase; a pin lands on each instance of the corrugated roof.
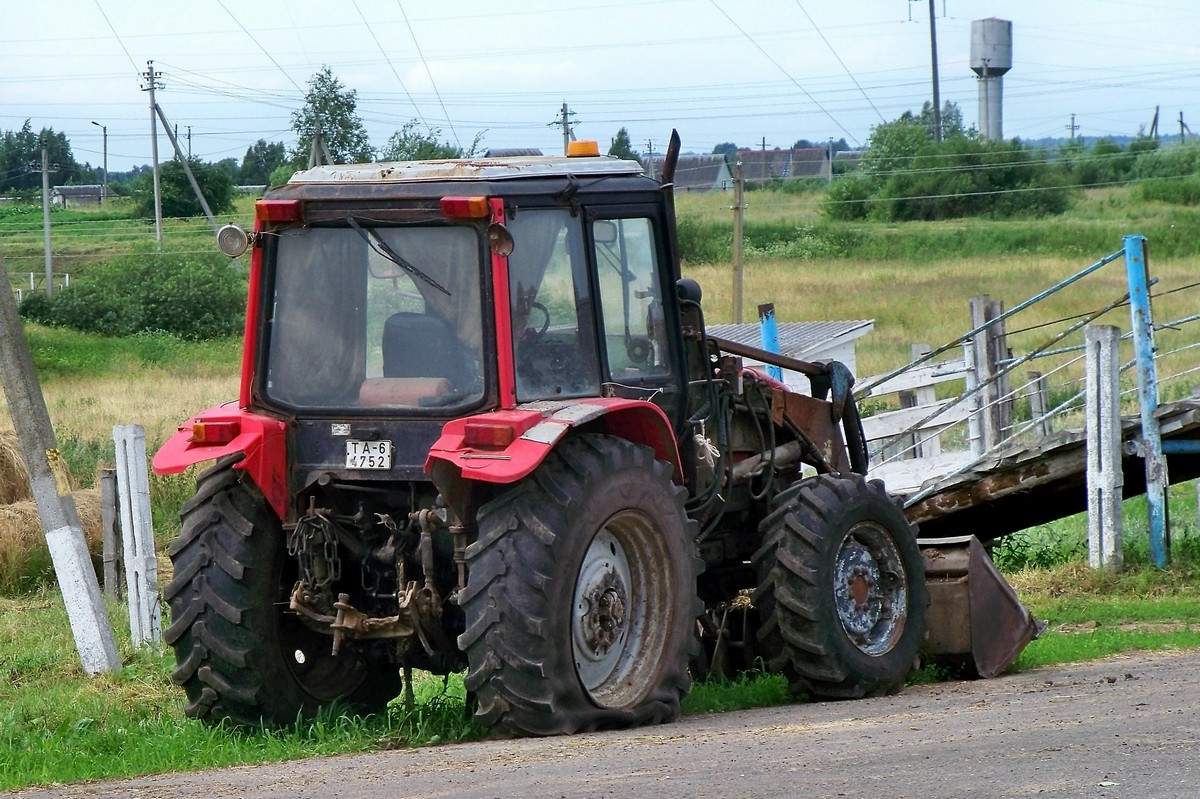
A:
(796, 339)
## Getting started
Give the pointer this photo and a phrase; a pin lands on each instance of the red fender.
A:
(537, 427)
(224, 430)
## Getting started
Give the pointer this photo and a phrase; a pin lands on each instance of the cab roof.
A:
(468, 169)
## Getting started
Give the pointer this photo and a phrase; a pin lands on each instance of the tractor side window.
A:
(553, 330)
(634, 333)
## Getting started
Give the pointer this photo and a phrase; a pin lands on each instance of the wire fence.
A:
(1018, 376)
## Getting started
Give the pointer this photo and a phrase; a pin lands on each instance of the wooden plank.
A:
(892, 423)
(928, 374)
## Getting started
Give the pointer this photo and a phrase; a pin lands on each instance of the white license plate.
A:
(368, 454)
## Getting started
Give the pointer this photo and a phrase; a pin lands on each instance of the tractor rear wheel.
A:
(581, 601)
(240, 654)
(842, 593)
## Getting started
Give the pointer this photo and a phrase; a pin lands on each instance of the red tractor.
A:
(481, 427)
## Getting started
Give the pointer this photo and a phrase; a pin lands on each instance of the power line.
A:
(432, 83)
(779, 66)
(849, 74)
(391, 66)
(116, 36)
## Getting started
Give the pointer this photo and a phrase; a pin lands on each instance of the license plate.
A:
(368, 454)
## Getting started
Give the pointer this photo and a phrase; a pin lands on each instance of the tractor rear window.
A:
(380, 317)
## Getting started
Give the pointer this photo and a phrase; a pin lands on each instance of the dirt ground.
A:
(1126, 727)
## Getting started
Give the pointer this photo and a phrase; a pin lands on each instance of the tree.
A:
(260, 161)
(410, 144)
(329, 107)
(621, 147)
(952, 119)
(21, 159)
(178, 199)
(725, 148)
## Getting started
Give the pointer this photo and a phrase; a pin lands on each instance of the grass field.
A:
(914, 281)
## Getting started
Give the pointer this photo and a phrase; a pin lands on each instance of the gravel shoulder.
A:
(1127, 726)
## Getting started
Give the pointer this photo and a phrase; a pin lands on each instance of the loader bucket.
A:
(974, 617)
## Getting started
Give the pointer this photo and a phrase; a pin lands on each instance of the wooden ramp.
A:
(1029, 485)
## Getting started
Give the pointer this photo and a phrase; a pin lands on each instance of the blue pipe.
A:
(1137, 270)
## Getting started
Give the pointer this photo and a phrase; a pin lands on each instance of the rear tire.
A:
(581, 602)
(240, 654)
(842, 590)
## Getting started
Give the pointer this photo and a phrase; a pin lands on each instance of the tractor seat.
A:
(425, 345)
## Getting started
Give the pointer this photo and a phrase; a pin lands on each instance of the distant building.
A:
(77, 196)
(851, 159)
(763, 166)
(694, 172)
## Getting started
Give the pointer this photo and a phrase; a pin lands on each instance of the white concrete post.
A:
(137, 535)
(56, 507)
(1104, 478)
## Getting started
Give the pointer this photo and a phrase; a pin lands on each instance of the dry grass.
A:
(24, 558)
(14, 478)
(158, 399)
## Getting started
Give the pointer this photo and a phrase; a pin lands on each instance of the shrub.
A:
(1179, 191)
(188, 295)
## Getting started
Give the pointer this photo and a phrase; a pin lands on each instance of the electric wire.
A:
(429, 72)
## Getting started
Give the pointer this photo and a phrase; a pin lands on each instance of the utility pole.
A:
(151, 83)
(46, 217)
(650, 157)
(187, 168)
(1072, 127)
(739, 209)
(104, 135)
(189, 142)
(564, 121)
(937, 98)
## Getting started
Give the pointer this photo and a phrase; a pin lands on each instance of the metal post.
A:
(111, 532)
(1039, 402)
(56, 507)
(1137, 269)
(1103, 427)
(46, 217)
(770, 335)
(739, 209)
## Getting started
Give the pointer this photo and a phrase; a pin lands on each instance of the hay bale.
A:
(14, 477)
(24, 557)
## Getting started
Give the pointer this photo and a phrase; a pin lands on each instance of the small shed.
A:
(78, 196)
(804, 341)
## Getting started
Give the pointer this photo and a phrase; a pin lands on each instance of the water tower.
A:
(991, 57)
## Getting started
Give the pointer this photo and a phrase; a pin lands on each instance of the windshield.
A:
(376, 317)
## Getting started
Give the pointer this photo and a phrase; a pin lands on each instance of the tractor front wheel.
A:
(842, 593)
(581, 601)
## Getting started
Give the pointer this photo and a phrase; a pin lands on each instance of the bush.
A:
(187, 295)
(1178, 191)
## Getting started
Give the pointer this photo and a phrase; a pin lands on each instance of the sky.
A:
(752, 72)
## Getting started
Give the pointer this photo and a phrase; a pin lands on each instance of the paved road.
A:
(1123, 728)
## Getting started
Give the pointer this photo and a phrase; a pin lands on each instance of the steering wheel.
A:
(545, 323)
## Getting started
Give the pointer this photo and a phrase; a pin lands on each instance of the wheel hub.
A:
(602, 615)
(870, 591)
(857, 587)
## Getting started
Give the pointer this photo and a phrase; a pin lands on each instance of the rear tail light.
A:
(277, 211)
(465, 208)
(488, 434)
(213, 433)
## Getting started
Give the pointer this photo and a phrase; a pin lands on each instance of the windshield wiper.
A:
(380, 246)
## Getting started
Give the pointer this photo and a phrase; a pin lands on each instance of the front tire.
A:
(841, 589)
(240, 654)
(581, 601)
